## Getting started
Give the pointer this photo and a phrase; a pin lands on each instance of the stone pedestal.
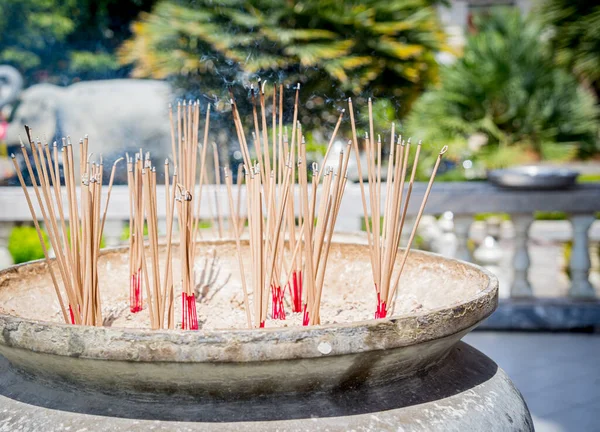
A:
(466, 391)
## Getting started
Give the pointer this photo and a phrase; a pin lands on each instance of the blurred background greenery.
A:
(514, 88)
(518, 88)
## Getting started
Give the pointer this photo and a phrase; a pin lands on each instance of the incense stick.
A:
(77, 259)
(271, 214)
(385, 229)
(278, 228)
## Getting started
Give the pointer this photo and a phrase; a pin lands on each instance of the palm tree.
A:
(59, 41)
(334, 48)
(507, 91)
(575, 37)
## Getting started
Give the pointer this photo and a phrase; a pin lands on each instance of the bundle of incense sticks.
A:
(270, 189)
(74, 237)
(218, 218)
(385, 231)
(317, 237)
(288, 248)
(185, 147)
(141, 179)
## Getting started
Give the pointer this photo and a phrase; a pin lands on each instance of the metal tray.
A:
(530, 177)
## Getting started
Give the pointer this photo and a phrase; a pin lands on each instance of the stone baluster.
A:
(113, 230)
(349, 220)
(580, 257)
(5, 257)
(521, 286)
(162, 226)
(462, 226)
(409, 225)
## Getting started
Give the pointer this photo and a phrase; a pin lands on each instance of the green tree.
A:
(507, 91)
(60, 40)
(575, 37)
(334, 48)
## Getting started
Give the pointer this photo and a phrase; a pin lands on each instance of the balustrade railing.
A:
(464, 200)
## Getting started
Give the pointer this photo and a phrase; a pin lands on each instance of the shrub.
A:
(24, 244)
(507, 91)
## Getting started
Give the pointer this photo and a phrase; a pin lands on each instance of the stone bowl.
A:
(456, 296)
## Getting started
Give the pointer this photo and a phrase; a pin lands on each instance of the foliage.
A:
(24, 244)
(588, 178)
(60, 40)
(334, 48)
(538, 215)
(127, 231)
(575, 37)
(506, 90)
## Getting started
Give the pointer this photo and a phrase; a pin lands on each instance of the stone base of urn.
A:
(466, 391)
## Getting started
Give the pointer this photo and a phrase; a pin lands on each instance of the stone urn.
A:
(407, 372)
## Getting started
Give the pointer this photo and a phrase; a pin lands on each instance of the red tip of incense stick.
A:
(296, 291)
(135, 294)
(381, 311)
(277, 298)
(189, 318)
(305, 319)
(72, 315)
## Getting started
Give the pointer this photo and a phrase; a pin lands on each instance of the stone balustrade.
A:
(463, 199)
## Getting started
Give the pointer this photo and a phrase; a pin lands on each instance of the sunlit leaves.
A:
(575, 36)
(385, 47)
(508, 88)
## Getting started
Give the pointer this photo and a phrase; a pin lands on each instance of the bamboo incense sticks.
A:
(180, 194)
(144, 262)
(217, 166)
(290, 206)
(268, 190)
(136, 230)
(384, 230)
(75, 236)
(188, 125)
(317, 238)
(271, 214)
(296, 282)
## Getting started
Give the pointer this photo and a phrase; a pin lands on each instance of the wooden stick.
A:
(219, 218)
(202, 172)
(41, 239)
(46, 217)
(391, 297)
(234, 216)
(110, 185)
(330, 144)
(360, 176)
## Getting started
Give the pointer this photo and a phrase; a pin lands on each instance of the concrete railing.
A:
(464, 200)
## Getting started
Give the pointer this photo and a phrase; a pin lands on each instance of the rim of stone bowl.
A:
(246, 345)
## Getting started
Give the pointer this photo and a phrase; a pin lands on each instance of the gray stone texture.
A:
(465, 392)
